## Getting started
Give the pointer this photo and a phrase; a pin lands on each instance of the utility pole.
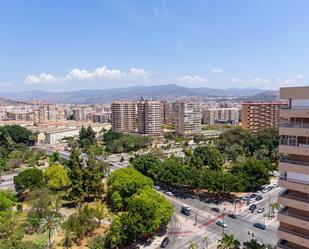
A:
(269, 206)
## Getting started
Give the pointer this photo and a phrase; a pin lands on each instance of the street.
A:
(201, 228)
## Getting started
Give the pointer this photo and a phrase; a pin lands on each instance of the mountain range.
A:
(101, 96)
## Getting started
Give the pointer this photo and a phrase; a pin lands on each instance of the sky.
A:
(87, 44)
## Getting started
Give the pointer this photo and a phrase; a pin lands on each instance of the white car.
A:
(169, 193)
(265, 190)
(251, 200)
(186, 207)
(157, 188)
(259, 192)
(261, 210)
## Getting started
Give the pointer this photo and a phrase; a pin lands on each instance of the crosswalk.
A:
(260, 217)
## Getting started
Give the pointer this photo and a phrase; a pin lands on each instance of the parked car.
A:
(258, 192)
(251, 200)
(169, 193)
(233, 216)
(165, 242)
(221, 223)
(253, 195)
(252, 207)
(157, 188)
(265, 190)
(259, 225)
(261, 210)
(258, 198)
(215, 209)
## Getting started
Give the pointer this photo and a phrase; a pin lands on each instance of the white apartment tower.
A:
(187, 117)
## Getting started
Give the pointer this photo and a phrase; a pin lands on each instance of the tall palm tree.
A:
(193, 246)
(49, 224)
(229, 242)
(69, 238)
(253, 244)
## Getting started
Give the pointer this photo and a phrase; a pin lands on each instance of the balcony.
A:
(292, 219)
(293, 148)
(294, 166)
(294, 113)
(294, 129)
(293, 184)
(298, 237)
(289, 200)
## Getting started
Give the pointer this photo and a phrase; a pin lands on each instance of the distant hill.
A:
(5, 101)
(129, 93)
(263, 96)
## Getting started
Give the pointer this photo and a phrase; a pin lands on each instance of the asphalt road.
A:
(206, 226)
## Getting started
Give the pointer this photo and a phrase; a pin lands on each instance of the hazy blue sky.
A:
(73, 44)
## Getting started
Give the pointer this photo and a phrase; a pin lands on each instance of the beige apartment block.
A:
(149, 117)
(259, 115)
(293, 231)
(123, 116)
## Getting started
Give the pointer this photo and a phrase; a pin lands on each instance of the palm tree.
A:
(49, 224)
(274, 206)
(229, 242)
(253, 244)
(205, 240)
(69, 238)
(193, 245)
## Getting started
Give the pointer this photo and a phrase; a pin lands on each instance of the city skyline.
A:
(108, 44)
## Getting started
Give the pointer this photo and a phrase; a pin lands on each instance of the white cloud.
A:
(139, 73)
(217, 70)
(191, 78)
(41, 78)
(82, 74)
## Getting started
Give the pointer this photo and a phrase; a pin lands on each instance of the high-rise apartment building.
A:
(293, 231)
(187, 117)
(167, 112)
(149, 117)
(123, 116)
(209, 116)
(259, 115)
(79, 114)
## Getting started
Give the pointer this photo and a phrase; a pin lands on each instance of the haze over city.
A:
(107, 44)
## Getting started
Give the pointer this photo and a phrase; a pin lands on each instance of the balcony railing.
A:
(285, 194)
(282, 244)
(286, 160)
(284, 141)
(295, 125)
(286, 212)
(298, 233)
(293, 180)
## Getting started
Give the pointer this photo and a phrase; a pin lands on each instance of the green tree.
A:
(126, 182)
(93, 177)
(76, 171)
(253, 244)
(228, 242)
(210, 156)
(28, 179)
(57, 177)
(55, 157)
(49, 224)
(252, 172)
